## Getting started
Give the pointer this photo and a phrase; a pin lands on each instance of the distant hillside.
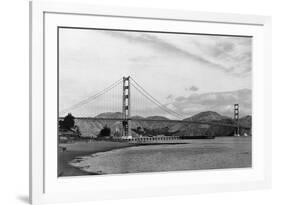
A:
(204, 129)
(157, 118)
(246, 121)
(90, 127)
(206, 116)
(110, 115)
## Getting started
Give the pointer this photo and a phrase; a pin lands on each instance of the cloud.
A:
(192, 88)
(221, 102)
(233, 52)
(231, 55)
(169, 97)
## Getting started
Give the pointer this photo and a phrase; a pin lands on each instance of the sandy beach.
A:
(80, 149)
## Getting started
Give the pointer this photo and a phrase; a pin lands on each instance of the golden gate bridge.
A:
(115, 99)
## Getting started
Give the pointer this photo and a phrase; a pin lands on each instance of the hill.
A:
(246, 121)
(157, 118)
(110, 115)
(206, 116)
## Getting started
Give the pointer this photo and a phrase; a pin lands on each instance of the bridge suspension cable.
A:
(93, 97)
(147, 95)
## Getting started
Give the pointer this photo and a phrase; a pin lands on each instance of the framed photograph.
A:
(130, 102)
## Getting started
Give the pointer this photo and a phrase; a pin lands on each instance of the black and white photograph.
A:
(137, 101)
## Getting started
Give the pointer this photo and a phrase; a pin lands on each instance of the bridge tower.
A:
(236, 118)
(126, 108)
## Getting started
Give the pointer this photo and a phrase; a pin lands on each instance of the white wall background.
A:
(14, 100)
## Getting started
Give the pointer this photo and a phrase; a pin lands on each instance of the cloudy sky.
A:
(188, 73)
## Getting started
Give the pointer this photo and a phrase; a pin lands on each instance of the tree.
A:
(140, 130)
(68, 122)
(105, 131)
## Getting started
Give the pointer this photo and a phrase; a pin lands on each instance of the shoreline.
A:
(64, 158)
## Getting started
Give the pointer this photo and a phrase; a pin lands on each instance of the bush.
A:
(105, 131)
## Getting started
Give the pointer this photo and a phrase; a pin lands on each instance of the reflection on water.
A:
(227, 152)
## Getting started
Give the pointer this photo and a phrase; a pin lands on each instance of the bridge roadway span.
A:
(168, 121)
